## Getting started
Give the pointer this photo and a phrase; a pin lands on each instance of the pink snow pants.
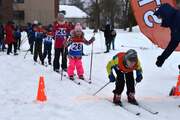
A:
(75, 63)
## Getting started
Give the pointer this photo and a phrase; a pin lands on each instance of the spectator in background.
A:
(107, 34)
(10, 40)
(2, 45)
(113, 36)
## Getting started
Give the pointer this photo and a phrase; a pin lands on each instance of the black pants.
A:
(38, 51)
(108, 44)
(123, 78)
(47, 51)
(9, 50)
(2, 45)
(63, 53)
(31, 43)
(112, 42)
(18, 40)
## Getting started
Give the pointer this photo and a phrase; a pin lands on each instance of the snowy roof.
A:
(73, 11)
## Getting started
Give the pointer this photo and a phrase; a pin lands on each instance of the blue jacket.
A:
(48, 40)
(170, 18)
(17, 34)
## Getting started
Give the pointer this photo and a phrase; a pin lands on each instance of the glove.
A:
(112, 78)
(92, 39)
(160, 61)
(139, 76)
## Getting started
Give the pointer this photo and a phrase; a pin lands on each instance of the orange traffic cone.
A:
(177, 88)
(41, 90)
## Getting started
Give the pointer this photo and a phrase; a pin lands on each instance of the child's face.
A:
(78, 33)
(130, 64)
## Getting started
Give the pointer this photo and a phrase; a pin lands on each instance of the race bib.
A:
(76, 49)
(61, 33)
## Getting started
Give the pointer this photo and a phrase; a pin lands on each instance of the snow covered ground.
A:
(68, 101)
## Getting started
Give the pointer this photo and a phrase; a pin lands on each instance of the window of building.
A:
(0, 2)
(18, 15)
(18, 1)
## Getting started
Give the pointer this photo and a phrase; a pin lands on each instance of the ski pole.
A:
(23, 41)
(61, 64)
(63, 54)
(101, 88)
(61, 73)
(26, 53)
(90, 76)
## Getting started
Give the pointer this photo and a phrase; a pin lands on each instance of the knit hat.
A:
(61, 15)
(78, 27)
(131, 55)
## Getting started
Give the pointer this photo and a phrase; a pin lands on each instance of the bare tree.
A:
(117, 11)
(94, 12)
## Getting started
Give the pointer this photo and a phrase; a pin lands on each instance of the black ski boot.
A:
(64, 69)
(106, 51)
(15, 54)
(131, 99)
(57, 70)
(117, 99)
(50, 63)
(71, 77)
(42, 62)
(81, 77)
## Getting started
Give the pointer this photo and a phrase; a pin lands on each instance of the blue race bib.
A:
(76, 49)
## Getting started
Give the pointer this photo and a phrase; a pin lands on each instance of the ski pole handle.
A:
(101, 88)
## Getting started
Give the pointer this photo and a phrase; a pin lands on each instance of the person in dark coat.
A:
(113, 36)
(108, 37)
(2, 45)
(31, 35)
(171, 19)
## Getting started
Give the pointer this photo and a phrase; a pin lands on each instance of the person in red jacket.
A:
(60, 35)
(10, 40)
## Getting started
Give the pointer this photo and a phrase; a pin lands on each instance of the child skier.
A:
(123, 64)
(48, 46)
(39, 35)
(76, 42)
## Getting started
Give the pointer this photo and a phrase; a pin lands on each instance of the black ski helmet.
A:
(131, 55)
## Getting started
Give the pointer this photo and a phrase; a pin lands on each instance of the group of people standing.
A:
(55, 33)
(10, 34)
(64, 35)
